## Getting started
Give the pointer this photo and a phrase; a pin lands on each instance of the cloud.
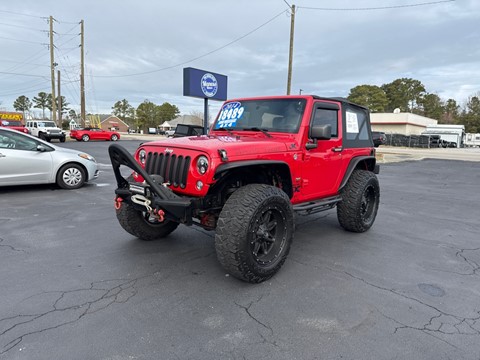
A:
(333, 50)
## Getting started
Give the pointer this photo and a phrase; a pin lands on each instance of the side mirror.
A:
(41, 148)
(321, 132)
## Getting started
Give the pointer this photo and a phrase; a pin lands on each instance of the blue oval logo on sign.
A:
(209, 85)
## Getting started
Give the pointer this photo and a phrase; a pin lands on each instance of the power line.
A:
(69, 31)
(22, 27)
(198, 57)
(17, 93)
(22, 62)
(25, 41)
(22, 14)
(377, 8)
(31, 75)
(36, 56)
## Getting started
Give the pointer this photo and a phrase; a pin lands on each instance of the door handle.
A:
(1, 155)
(337, 149)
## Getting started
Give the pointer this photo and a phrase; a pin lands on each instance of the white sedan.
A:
(26, 160)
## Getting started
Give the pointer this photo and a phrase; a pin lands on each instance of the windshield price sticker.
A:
(229, 115)
(352, 123)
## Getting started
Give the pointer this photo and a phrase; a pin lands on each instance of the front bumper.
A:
(176, 208)
(54, 136)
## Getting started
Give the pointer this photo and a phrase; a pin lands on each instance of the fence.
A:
(420, 141)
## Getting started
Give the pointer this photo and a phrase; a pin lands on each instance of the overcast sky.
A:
(338, 45)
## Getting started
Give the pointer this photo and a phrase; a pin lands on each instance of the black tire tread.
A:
(233, 224)
(348, 213)
(132, 222)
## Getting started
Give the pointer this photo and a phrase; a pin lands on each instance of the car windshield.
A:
(12, 123)
(46, 124)
(276, 115)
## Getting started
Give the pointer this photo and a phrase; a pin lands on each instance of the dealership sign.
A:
(204, 84)
(11, 116)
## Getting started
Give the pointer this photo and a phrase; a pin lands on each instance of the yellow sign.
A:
(11, 116)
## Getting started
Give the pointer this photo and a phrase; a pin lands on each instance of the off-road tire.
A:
(360, 198)
(71, 176)
(136, 222)
(62, 139)
(253, 216)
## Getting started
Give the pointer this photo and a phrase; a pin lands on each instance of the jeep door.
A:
(323, 165)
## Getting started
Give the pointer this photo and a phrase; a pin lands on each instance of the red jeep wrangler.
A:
(263, 159)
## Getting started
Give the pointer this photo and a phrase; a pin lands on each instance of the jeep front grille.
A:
(173, 168)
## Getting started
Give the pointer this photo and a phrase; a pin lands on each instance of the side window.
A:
(326, 117)
(16, 141)
(356, 125)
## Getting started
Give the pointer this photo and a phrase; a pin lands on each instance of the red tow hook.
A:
(160, 214)
(118, 202)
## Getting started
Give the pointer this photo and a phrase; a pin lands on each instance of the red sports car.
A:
(88, 134)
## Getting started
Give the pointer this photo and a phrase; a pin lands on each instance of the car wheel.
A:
(254, 232)
(62, 139)
(360, 198)
(142, 225)
(85, 138)
(41, 136)
(71, 176)
(114, 137)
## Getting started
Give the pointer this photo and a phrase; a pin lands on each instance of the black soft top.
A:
(340, 99)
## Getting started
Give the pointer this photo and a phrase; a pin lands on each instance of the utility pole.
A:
(52, 67)
(59, 101)
(82, 76)
(290, 55)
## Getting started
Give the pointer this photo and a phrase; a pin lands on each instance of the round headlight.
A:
(142, 155)
(202, 164)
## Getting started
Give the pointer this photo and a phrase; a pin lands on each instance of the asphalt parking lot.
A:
(75, 285)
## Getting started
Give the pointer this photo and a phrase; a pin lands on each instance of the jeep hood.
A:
(234, 146)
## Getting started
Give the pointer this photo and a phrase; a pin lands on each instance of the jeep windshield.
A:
(272, 115)
(46, 124)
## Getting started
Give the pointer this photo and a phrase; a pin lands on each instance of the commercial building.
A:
(400, 123)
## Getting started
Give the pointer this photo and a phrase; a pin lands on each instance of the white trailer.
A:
(472, 140)
(450, 133)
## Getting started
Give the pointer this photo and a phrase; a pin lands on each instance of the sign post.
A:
(206, 85)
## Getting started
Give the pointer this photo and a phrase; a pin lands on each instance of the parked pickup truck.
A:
(264, 159)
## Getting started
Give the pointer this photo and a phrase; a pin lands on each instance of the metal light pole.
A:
(52, 73)
(290, 55)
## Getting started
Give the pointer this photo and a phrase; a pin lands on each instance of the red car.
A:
(88, 134)
(15, 125)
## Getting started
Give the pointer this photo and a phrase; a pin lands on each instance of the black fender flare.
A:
(249, 163)
(370, 162)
